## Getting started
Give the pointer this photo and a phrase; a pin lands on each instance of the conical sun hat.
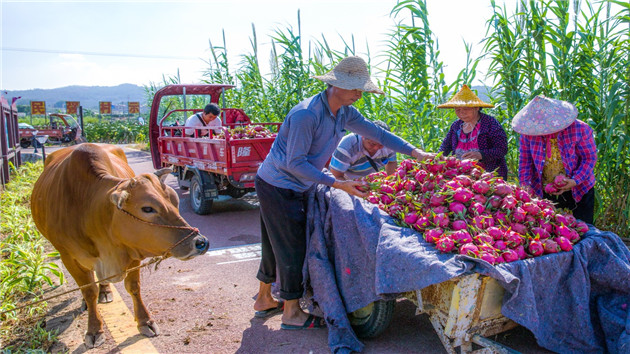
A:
(542, 116)
(465, 98)
(351, 73)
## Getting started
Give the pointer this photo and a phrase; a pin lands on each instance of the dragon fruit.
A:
(520, 228)
(550, 246)
(482, 238)
(459, 225)
(520, 251)
(437, 199)
(441, 220)
(510, 255)
(432, 235)
(476, 208)
(500, 245)
(457, 208)
(531, 208)
(509, 203)
(445, 244)
(564, 243)
(581, 227)
(502, 189)
(519, 214)
(550, 189)
(461, 236)
(462, 195)
(480, 198)
(540, 233)
(422, 223)
(469, 249)
(421, 176)
(481, 187)
(521, 195)
(488, 258)
(536, 248)
(513, 239)
(411, 218)
(496, 233)
(495, 201)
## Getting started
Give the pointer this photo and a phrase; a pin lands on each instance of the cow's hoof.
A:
(94, 340)
(150, 329)
(105, 296)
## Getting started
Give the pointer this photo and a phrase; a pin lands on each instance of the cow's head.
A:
(147, 220)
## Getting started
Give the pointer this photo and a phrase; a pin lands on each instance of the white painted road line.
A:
(237, 254)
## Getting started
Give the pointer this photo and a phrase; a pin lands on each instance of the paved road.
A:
(205, 305)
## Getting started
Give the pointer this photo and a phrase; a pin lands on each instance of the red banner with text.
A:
(71, 107)
(105, 107)
(134, 107)
(38, 107)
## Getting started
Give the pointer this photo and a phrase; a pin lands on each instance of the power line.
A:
(58, 51)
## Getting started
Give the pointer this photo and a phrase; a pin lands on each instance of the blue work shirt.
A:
(307, 138)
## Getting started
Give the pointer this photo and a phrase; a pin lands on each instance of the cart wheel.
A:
(25, 143)
(372, 320)
(198, 201)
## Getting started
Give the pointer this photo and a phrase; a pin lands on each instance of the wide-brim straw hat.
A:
(543, 116)
(351, 73)
(465, 98)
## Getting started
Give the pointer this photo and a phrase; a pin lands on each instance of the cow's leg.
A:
(105, 293)
(94, 334)
(146, 325)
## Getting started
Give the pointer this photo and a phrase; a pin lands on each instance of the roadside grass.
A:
(26, 268)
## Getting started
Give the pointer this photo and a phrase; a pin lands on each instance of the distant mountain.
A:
(88, 97)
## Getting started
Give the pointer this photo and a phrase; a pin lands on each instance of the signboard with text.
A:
(38, 107)
(71, 107)
(105, 107)
(134, 107)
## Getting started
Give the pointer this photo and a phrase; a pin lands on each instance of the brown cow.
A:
(102, 218)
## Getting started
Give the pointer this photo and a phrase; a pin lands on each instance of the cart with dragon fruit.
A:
(461, 209)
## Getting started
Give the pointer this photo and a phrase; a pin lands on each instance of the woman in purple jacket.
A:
(475, 135)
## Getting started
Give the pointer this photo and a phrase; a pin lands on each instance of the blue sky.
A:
(49, 44)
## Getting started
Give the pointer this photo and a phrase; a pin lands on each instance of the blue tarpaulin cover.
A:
(571, 301)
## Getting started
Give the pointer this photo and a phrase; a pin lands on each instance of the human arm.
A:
(586, 151)
(338, 174)
(496, 145)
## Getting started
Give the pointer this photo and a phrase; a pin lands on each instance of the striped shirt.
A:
(307, 138)
(577, 150)
(350, 158)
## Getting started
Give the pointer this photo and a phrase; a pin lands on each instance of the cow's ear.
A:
(119, 197)
(163, 172)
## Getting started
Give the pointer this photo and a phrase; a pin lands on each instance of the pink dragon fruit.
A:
(520, 251)
(406, 165)
(469, 249)
(513, 239)
(386, 199)
(451, 162)
(411, 218)
(531, 208)
(486, 176)
(445, 244)
(496, 233)
(457, 208)
(571, 221)
(548, 213)
(574, 236)
(483, 221)
(564, 231)
(441, 220)
(461, 236)
(559, 181)
(510, 255)
(423, 222)
(476, 172)
(519, 214)
(540, 233)
(386, 188)
(500, 245)
(463, 180)
(487, 257)
(481, 187)
(509, 203)
(546, 226)
(466, 165)
(550, 246)
(372, 198)
(536, 248)
(421, 176)
(479, 198)
(410, 185)
(459, 225)
(437, 199)
(522, 195)
(432, 235)
(550, 189)
(520, 228)
(482, 238)
(476, 208)
(499, 259)
(562, 219)
(452, 185)
(428, 186)
(440, 209)
(462, 195)
(502, 189)
(501, 217)
(581, 227)
(495, 201)
(564, 243)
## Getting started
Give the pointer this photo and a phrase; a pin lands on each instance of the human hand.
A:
(352, 187)
(473, 155)
(421, 155)
(569, 183)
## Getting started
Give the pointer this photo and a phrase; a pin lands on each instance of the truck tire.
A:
(372, 320)
(198, 201)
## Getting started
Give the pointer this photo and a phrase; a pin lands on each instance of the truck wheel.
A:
(372, 320)
(25, 143)
(198, 201)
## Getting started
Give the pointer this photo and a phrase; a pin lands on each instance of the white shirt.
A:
(195, 121)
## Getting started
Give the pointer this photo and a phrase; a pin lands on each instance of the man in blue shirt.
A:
(357, 157)
(305, 142)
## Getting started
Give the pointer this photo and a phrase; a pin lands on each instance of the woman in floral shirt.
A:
(475, 135)
(554, 142)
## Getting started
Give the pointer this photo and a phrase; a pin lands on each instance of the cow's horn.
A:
(163, 172)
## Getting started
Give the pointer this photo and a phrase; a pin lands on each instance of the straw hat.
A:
(542, 116)
(465, 98)
(350, 74)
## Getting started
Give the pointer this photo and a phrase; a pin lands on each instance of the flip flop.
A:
(270, 312)
(311, 322)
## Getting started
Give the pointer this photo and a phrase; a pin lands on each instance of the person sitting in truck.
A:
(208, 118)
(357, 156)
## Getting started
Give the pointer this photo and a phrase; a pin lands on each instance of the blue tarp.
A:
(572, 301)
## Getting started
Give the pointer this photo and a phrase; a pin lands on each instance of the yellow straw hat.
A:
(465, 98)
(350, 74)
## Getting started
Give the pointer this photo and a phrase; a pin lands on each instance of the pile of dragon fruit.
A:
(247, 132)
(461, 208)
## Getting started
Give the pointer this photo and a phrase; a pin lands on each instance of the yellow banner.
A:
(105, 107)
(134, 107)
(38, 107)
(71, 107)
